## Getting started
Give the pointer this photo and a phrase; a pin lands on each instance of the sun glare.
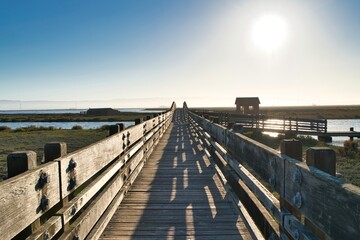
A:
(269, 32)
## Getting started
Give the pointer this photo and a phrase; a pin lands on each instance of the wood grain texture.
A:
(48, 230)
(176, 195)
(20, 198)
(326, 201)
(266, 162)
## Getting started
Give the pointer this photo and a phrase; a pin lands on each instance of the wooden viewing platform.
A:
(177, 175)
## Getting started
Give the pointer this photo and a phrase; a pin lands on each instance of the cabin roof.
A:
(247, 101)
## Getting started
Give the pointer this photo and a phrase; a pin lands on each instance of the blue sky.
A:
(117, 52)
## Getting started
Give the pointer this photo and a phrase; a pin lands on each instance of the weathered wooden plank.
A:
(266, 162)
(105, 218)
(77, 203)
(264, 195)
(79, 166)
(84, 223)
(326, 201)
(21, 197)
(48, 230)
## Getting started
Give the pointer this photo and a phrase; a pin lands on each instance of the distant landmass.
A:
(118, 103)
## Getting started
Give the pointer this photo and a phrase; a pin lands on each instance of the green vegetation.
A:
(77, 127)
(126, 116)
(35, 138)
(347, 157)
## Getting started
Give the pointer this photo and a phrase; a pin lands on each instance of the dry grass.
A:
(11, 141)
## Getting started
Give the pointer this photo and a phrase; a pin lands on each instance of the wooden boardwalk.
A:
(178, 195)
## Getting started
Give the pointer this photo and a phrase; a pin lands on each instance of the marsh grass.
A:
(347, 157)
(11, 141)
(317, 112)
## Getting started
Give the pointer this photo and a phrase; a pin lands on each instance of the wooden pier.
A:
(301, 126)
(177, 175)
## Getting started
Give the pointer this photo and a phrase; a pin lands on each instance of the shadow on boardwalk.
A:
(177, 195)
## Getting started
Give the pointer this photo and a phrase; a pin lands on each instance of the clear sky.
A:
(207, 52)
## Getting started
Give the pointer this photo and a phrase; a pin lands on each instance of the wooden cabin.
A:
(248, 105)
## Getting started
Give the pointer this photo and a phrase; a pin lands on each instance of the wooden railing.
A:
(302, 198)
(73, 196)
(261, 122)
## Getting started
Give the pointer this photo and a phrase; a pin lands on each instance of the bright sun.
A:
(269, 32)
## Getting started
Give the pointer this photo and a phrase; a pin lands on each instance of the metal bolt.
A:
(128, 142)
(44, 203)
(297, 200)
(72, 182)
(123, 136)
(42, 180)
(296, 234)
(128, 134)
(46, 235)
(76, 237)
(124, 146)
(273, 162)
(272, 181)
(73, 210)
(297, 176)
(72, 165)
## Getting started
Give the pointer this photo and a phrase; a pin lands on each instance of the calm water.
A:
(63, 125)
(342, 125)
(74, 111)
(336, 125)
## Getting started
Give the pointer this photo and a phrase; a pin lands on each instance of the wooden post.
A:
(138, 121)
(297, 125)
(290, 124)
(121, 126)
(293, 149)
(351, 137)
(322, 158)
(325, 125)
(54, 150)
(114, 129)
(17, 163)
